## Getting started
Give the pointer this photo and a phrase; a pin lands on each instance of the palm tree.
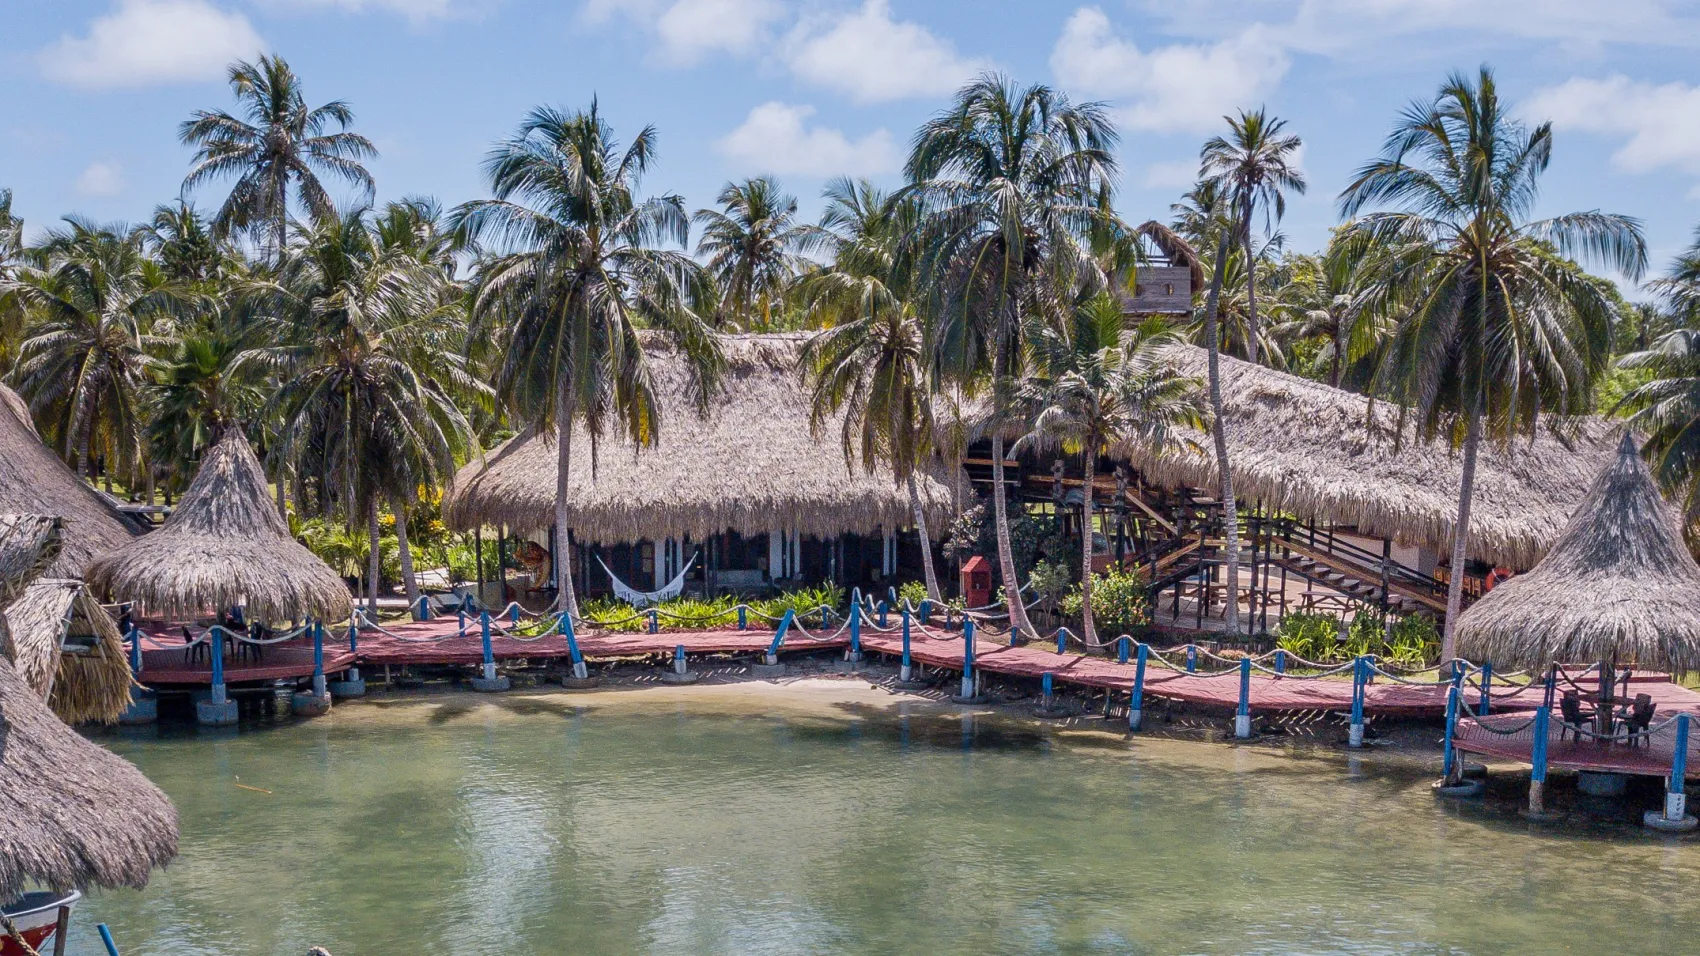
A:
(1011, 181)
(11, 254)
(184, 245)
(870, 360)
(89, 294)
(1500, 328)
(278, 144)
(578, 276)
(1667, 410)
(1334, 298)
(751, 247)
(370, 368)
(194, 397)
(1098, 389)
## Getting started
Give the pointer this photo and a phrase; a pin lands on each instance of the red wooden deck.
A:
(1651, 758)
(435, 643)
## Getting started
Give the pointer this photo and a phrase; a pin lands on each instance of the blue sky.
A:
(94, 89)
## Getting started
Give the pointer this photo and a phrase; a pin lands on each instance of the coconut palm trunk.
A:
(565, 599)
(1088, 467)
(927, 572)
(408, 580)
(1218, 432)
(1006, 552)
(1255, 346)
(373, 558)
(1460, 536)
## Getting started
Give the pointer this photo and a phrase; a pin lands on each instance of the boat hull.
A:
(36, 916)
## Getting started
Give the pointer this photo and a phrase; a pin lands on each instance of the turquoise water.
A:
(728, 821)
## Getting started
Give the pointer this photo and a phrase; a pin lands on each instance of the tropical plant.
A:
(869, 362)
(1666, 408)
(1011, 182)
(1334, 299)
(752, 246)
(184, 245)
(279, 144)
(370, 371)
(1121, 602)
(1500, 328)
(1095, 388)
(195, 395)
(578, 276)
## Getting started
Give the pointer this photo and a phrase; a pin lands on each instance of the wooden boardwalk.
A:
(436, 642)
(1652, 757)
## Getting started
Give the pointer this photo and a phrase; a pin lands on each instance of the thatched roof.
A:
(1309, 449)
(90, 682)
(34, 481)
(72, 813)
(224, 545)
(752, 466)
(1619, 581)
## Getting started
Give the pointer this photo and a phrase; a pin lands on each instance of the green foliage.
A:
(1411, 641)
(914, 592)
(1120, 602)
(687, 613)
(1050, 580)
(1310, 635)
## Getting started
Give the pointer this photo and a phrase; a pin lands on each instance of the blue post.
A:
(679, 666)
(1355, 733)
(883, 608)
(1014, 635)
(1242, 717)
(654, 621)
(1122, 648)
(566, 625)
(1450, 760)
(743, 618)
(1487, 681)
(422, 609)
(318, 659)
(106, 940)
(460, 620)
(1046, 681)
(1136, 703)
(779, 636)
(513, 614)
(908, 672)
(926, 611)
(1676, 799)
(1280, 661)
(135, 649)
(1062, 640)
(855, 653)
(215, 637)
(967, 659)
(489, 652)
(1192, 658)
(354, 633)
(1538, 763)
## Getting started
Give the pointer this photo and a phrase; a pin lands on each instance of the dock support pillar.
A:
(1048, 705)
(681, 672)
(1136, 703)
(1355, 733)
(1192, 658)
(1487, 682)
(967, 695)
(143, 709)
(489, 682)
(1062, 640)
(1675, 818)
(1537, 809)
(581, 673)
(1122, 648)
(1242, 716)
(770, 666)
(906, 672)
(316, 702)
(854, 654)
(217, 710)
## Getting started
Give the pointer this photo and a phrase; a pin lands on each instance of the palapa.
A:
(224, 545)
(67, 647)
(1618, 584)
(752, 466)
(34, 481)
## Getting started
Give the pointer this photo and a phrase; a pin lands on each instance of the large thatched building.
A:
(1619, 584)
(748, 489)
(34, 481)
(223, 546)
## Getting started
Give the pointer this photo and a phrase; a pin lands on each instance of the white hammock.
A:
(645, 598)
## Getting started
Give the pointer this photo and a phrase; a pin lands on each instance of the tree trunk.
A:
(1088, 629)
(374, 566)
(1255, 350)
(565, 599)
(927, 572)
(409, 582)
(1218, 430)
(1461, 534)
(1339, 353)
(1006, 553)
(282, 499)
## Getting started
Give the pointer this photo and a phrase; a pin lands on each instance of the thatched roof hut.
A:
(34, 481)
(752, 466)
(67, 647)
(1618, 583)
(224, 545)
(72, 813)
(1312, 450)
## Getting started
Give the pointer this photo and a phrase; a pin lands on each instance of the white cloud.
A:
(1169, 88)
(1661, 123)
(775, 138)
(690, 28)
(148, 42)
(875, 58)
(416, 11)
(100, 179)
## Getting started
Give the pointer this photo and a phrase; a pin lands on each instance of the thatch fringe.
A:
(83, 686)
(751, 466)
(224, 545)
(1619, 582)
(34, 481)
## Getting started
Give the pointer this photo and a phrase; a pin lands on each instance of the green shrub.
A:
(914, 592)
(1310, 635)
(1120, 603)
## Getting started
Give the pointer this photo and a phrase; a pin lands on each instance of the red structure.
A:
(976, 582)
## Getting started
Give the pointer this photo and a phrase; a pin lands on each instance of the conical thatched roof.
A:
(752, 466)
(72, 814)
(1309, 449)
(1619, 581)
(90, 682)
(224, 545)
(34, 481)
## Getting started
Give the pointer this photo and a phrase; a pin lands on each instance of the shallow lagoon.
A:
(828, 818)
